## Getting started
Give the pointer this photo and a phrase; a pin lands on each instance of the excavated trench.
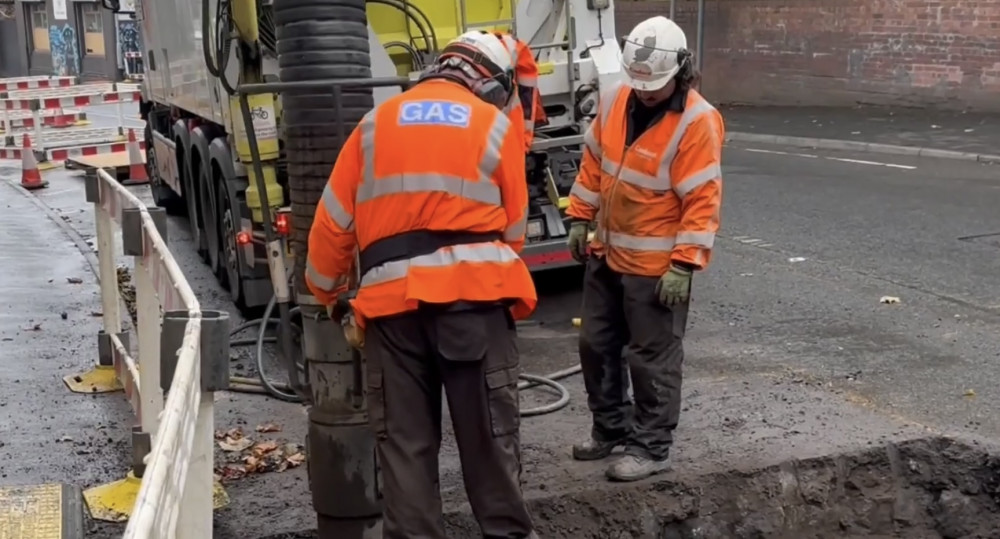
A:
(918, 489)
(924, 488)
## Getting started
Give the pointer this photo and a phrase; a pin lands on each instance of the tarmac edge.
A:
(859, 146)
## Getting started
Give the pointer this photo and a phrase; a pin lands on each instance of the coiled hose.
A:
(263, 385)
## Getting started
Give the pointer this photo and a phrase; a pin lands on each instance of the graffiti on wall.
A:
(130, 43)
(65, 50)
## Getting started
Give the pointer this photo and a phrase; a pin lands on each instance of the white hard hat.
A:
(486, 53)
(653, 53)
(483, 58)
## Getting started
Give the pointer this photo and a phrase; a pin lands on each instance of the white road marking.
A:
(842, 159)
(749, 240)
(757, 150)
(762, 244)
(874, 163)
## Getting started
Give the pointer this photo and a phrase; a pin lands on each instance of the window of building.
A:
(38, 26)
(92, 21)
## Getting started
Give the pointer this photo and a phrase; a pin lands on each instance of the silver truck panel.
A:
(172, 36)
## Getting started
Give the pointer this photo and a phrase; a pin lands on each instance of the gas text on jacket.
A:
(441, 113)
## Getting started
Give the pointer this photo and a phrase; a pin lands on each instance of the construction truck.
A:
(196, 54)
(247, 104)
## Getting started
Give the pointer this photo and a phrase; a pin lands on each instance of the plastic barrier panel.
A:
(182, 351)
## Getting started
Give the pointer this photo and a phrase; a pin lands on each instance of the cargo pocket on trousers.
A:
(501, 394)
(376, 405)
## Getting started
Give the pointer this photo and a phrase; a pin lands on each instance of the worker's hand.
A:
(674, 287)
(354, 334)
(341, 306)
(577, 240)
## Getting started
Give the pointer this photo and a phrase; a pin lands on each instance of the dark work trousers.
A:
(471, 351)
(627, 330)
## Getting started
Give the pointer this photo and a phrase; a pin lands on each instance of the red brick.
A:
(934, 52)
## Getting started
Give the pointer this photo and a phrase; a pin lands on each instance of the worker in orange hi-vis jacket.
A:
(651, 183)
(525, 105)
(430, 187)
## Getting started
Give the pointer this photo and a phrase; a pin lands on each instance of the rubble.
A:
(929, 487)
(127, 290)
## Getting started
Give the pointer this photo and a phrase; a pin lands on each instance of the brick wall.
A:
(943, 53)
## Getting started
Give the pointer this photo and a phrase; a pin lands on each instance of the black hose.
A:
(406, 5)
(414, 13)
(415, 61)
(287, 394)
(206, 42)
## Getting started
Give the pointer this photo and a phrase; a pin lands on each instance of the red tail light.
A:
(282, 224)
(243, 238)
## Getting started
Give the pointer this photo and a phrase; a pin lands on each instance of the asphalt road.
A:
(811, 243)
(916, 229)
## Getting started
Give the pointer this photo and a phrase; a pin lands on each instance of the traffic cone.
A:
(136, 166)
(31, 177)
(62, 119)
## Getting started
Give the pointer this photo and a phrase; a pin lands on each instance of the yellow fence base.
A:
(100, 379)
(113, 502)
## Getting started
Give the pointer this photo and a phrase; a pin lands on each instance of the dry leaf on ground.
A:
(269, 427)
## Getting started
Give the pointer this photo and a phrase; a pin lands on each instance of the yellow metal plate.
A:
(39, 512)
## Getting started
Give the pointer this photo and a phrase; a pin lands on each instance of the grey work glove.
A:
(674, 287)
(577, 240)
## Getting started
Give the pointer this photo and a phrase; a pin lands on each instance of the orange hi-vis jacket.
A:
(435, 160)
(657, 201)
(525, 105)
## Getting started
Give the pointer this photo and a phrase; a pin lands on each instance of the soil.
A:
(924, 488)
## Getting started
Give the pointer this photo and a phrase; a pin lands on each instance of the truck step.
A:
(51, 511)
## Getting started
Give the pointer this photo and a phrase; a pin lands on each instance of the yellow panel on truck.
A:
(444, 21)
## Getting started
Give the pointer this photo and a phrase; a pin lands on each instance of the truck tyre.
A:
(318, 40)
(209, 218)
(231, 257)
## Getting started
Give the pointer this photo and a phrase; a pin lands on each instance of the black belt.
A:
(416, 243)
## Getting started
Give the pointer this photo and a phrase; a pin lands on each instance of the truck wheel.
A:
(191, 198)
(231, 261)
(209, 218)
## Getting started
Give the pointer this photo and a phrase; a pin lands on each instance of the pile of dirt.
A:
(927, 488)
(919, 489)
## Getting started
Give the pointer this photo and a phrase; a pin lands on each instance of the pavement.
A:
(49, 320)
(948, 134)
(791, 353)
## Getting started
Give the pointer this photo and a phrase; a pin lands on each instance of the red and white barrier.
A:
(32, 83)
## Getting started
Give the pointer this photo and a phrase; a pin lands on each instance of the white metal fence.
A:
(182, 350)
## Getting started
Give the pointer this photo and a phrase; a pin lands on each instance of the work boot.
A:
(634, 468)
(595, 450)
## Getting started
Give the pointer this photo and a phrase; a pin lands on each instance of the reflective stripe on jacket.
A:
(524, 107)
(657, 201)
(437, 158)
